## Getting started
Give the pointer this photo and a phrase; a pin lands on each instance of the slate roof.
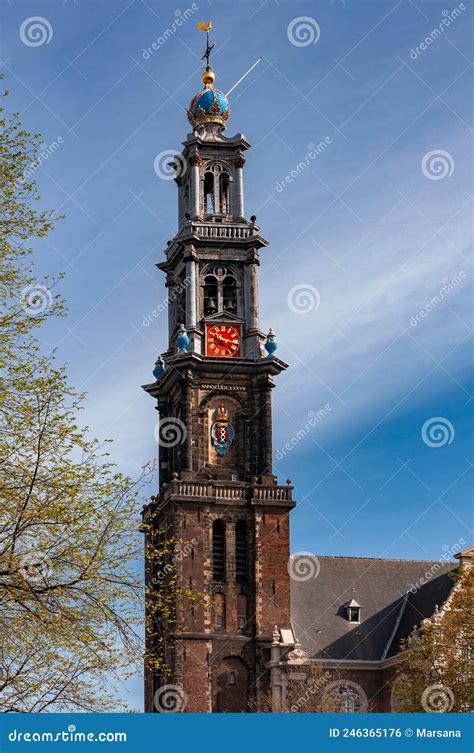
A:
(389, 592)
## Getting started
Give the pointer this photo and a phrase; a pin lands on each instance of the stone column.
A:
(251, 309)
(191, 303)
(171, 295)
(266, 430)
(195, 185)
(179, 183)
(192, 300)
(186, 397)
(217, 198)
(239, 187)
(251, 293)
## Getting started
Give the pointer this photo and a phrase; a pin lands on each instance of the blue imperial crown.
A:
(209, 105)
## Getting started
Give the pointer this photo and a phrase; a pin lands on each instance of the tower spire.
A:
(214, 398)
(209, 105)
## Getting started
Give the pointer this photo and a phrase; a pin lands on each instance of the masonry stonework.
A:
(218, 495)
(231, 635)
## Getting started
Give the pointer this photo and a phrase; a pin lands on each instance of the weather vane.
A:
(209, 47)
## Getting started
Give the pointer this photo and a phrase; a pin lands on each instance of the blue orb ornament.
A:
(159, 369)
(209, 105)
(271, 343)
(182, 340)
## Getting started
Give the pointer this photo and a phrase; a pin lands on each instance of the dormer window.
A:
(353, 611)
(353, 614)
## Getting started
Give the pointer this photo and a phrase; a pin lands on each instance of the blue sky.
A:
(369, 224)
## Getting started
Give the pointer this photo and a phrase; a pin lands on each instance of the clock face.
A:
(223, 340)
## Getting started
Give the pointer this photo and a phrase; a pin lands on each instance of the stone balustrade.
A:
(214, 230)
(215, 491)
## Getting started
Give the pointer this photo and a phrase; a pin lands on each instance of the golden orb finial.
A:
(208, 77)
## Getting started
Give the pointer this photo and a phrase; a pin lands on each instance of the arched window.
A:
(229, 294)
(210, 295)
(345, 697)
(218, 550)
(224, 193)
(220, 291)
(232, 677)
(241, 551)
(209, 198)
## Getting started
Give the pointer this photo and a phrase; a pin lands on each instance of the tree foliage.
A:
(436, 674)
(71, 589)
(166, 600)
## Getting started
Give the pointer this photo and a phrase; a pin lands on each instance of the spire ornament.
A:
(159, 369)
(209, 47)
(298, 654)
(210, 105)
(182, 340)
(271, 343)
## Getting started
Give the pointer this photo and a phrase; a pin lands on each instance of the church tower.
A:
(218, 500)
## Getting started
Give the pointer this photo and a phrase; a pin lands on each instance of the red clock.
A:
(223, 340)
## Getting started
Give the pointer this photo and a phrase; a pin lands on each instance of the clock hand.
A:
(222, 340)
(226, 340)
